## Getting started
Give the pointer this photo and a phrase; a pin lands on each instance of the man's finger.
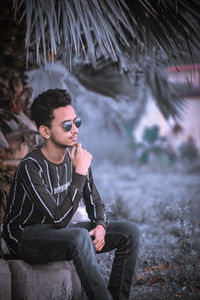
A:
(79, 146)
(73, 152)
(98, 243)
(91, 232)
(95, 242)
(99, 247)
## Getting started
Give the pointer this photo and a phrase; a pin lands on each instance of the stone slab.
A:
(5, 281)
(54, 280)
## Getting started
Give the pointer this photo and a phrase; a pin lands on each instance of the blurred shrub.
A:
(188, 150)
(144, 157)
(153, 148)
(151, 134)
(156, 149)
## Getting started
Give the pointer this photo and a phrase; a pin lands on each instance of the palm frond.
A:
(3, 142)
(79, 25)
(144, 73)
(94, 29)
(106, 27)
(5, 117)
(106, 79)
(165, 22)
(15, 128)
(167, 97)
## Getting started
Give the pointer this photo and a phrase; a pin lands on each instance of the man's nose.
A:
(74, 128)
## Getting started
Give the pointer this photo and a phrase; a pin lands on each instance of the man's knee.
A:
(132, 231)
(81, 237)
(135, 232)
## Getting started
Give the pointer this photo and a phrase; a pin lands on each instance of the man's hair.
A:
(44, 104)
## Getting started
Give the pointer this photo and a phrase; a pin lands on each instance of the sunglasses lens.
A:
(77, 122)
(67, 126)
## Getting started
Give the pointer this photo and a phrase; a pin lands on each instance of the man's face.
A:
(58, 135)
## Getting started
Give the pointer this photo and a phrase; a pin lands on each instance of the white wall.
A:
(151, 116)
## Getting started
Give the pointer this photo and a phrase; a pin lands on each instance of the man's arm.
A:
(94, 205)
(96, 211)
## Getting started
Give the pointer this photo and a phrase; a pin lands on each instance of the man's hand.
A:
(81, 159)
(99, 237)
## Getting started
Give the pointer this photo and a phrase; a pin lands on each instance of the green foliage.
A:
(151, 134)
(144, 157)
(129, 128)
(153, 148)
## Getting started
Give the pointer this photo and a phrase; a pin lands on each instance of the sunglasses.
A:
(68, 125)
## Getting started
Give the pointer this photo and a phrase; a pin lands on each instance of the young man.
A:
(45, 194)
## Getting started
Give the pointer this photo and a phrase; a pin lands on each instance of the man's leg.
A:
(43, 242)
(124, 236)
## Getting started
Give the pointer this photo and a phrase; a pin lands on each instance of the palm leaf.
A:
(125, 32)
(167, 97)
(82, 25)
(82, 20)
(5, 117)
(85, 25)
(14, 129)
(150, 73)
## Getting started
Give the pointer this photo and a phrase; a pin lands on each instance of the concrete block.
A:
(5, 281)
(54, 280)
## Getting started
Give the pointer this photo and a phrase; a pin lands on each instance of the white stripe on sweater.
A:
(10, 235)
(91, 200)
(29, 214)
(58, 197)
(69, 209)
(47, 167)
(14, 193)
(29, 177)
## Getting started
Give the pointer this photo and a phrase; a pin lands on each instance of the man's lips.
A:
(74, 137)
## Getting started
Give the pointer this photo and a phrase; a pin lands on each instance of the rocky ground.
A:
(164, 201)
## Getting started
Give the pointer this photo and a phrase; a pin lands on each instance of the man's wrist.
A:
(78, 180)
(102, 223)
(80, 171)
(99, 225)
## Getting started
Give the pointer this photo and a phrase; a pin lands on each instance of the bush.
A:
(188, 151)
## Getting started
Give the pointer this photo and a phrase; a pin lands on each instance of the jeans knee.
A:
(81, 237)
(133, 232)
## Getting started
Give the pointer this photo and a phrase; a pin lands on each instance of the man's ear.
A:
(44, 131)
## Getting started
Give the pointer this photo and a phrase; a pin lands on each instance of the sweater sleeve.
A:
(36, 189)
(94, 205)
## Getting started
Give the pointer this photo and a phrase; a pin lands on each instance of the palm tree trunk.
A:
(14, 92)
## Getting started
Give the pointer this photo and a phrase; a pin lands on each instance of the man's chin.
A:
(71, 144)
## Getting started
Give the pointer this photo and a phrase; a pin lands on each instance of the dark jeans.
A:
(42, 243)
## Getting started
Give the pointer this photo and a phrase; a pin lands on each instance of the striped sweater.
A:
(48, 193)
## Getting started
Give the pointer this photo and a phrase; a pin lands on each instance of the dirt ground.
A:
(164, 202)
